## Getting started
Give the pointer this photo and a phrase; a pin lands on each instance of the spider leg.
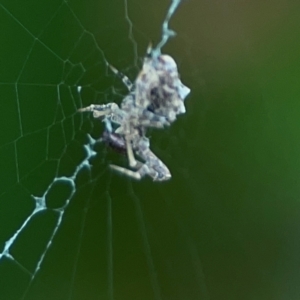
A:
(110, 111)
(139, 174)
(134, 174)
(131, 158)
(100, 110)
(123, 77)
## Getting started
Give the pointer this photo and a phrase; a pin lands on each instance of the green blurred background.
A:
(226, 226)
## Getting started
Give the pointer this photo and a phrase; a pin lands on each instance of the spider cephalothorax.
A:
(154, 100)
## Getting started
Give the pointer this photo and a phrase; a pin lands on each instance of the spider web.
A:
(224, 227)
(60, 222)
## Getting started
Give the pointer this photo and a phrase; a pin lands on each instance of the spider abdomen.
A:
(114, 141)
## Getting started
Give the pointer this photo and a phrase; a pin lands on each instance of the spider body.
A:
(154, 100)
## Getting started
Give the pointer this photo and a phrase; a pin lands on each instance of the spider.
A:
(154, 100)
